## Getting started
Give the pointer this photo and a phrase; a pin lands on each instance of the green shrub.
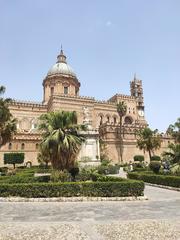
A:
(45, 178)
(102, 169)
(60, 176)
(105, 162)
(108, 169)
(104, 178)
(138, 165)
(17, 179)
(155, 166)
(137, 169)
(113, 169)
(155, 158)
(84, 175)
(74, 171)
(139, 158)
(13, 158)
(173, 181)
(3, 171)
(74, 189)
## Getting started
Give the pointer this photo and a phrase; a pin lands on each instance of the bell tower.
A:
(137, 92)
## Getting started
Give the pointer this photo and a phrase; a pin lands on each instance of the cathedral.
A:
(62, 92)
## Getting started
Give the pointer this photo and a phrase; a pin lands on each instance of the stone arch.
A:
(115, 119)
(28, 164)
(22, 146)
(108, 118)
(10, 146)
(100, 119)
(128, 120)
(37, 146)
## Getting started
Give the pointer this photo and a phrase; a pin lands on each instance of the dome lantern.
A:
(61, 58)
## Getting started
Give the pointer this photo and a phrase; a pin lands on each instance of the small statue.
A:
(86, 119)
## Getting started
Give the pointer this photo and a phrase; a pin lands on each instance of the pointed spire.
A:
(61, 58)
(134, 76)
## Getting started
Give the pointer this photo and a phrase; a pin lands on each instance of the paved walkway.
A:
(157, 218)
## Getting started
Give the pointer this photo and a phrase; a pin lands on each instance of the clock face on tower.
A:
(141, 113)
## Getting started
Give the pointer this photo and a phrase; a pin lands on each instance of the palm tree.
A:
(148, 140)
(173, 153)
(174, 130)
(61, 138)
(121, 109)
(7, 122)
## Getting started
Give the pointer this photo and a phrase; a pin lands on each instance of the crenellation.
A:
(28, 103)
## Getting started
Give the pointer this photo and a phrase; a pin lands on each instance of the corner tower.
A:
(60, 79)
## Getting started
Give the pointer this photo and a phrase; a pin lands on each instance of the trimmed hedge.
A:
(155, 166)
(23, 179)
(155, 158)
(13, 158)
(139, 158)
(93, 189)
(173, 181)
(141, 169)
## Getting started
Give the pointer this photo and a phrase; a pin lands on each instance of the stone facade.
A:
(61, 92)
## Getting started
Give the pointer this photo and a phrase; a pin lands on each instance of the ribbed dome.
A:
(61, 67)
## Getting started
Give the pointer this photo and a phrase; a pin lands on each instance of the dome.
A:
(61, 67)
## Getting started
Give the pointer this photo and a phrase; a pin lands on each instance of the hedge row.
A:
(75, 189)
(28, 178)
(23, 179)
(173, 181)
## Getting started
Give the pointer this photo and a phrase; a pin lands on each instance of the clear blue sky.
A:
(106, 42)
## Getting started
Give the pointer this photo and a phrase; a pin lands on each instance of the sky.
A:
(106, 42)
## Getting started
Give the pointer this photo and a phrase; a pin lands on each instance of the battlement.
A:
(27, 103)
(117, 97)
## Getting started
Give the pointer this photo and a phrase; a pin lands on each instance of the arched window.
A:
(128, 120)
(52, 90)
(10, 146)
(101, 119)
(37, 146)
(108, 118)
(115, 120)
(65, 90)
(22, 146)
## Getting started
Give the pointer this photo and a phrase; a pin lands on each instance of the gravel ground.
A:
(41, 231)
(145, 230)
(126, 230)
(155, 219)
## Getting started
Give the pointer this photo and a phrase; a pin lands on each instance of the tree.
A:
(7, 122)
(148, 140)
(13, 158)
(174, 130)
(121, 109)
(173, 153)
(61, 138)
(43, 157)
